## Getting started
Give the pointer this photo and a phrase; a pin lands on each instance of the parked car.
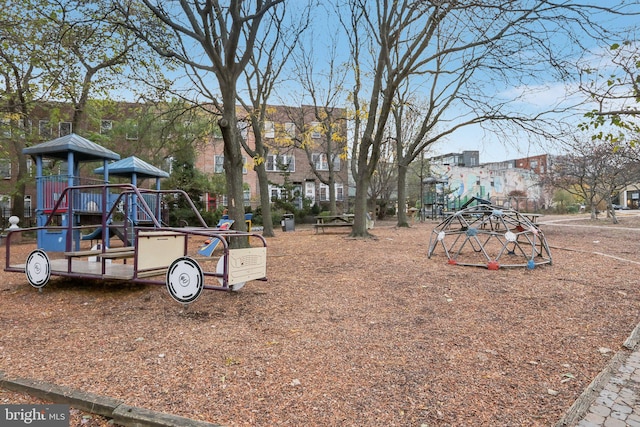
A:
(619, 207)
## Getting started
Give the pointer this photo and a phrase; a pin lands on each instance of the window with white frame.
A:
(280, 163)
(324, 192)
(243, 127)
(168, 164)
(27, 207)
(5, 205)
(321, 164)
(5, 168)
(25, 127)
(64, 128)
(275, 192)
(290, 129)
(315, 130)
(106, 126)
(218, 164)
(5, 128)
(44, 128)
(247, 197)
(320, 161)
(339, 192)
(269, 129)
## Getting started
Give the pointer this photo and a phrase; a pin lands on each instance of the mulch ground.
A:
(346, 332)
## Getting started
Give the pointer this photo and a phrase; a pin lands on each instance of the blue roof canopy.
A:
(133, 166)
(83, 149)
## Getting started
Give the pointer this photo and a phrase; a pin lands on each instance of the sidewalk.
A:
(613, 397)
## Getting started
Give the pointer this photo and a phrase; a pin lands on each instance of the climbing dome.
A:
(490, 236)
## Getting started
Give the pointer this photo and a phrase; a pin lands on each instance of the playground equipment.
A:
(489, 236)
(133, 244)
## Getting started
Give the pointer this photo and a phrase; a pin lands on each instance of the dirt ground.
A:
(345, 332)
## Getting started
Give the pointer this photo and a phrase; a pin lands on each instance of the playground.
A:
(345, 332)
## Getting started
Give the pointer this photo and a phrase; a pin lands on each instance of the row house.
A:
(301, 151)
(130, 129)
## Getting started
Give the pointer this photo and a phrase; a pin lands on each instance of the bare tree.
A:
(321, 91)
(210, 38)
(595, 172)
(457, 53)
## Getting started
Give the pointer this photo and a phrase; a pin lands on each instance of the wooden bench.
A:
(120, 252)
(332, 225)
(117, 254)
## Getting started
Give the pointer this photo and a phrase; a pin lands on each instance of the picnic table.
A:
(331, 221)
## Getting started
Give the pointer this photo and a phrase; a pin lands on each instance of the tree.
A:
(324, 142)
(456, 52)
(209, 38)
(95, 55)
(23, 52)
(595, 172)
(616, 94)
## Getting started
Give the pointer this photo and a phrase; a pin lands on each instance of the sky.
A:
(542, 93)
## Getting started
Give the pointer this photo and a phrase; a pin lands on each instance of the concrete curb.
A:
(582, 403)
(125, 415)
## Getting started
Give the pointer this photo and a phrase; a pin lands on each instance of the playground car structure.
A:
(489, 236)
(93, 229)
(148, 253)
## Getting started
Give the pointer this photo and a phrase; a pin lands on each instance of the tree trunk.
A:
(360, 207)
(402, 195)
(233, 161)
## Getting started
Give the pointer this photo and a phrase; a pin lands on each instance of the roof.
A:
(133, 165)
(83, 149)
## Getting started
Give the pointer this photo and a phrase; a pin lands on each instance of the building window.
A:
(275, 192)
(5, 128)
(44, 128)
(324, 192)
(320, 161)
(247, 197)
(290, 129)
(168, 164)
(280, 163)
(315, 130)
(5, 168)
(5, 206)
(106, 126)
(64, 128)
(132, 131)
(269, 129)
(27, 207)
(218, 164)
(243, 127)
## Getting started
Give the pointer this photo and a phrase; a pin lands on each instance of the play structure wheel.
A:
(38, 268)
(220, 270)
(185, 280)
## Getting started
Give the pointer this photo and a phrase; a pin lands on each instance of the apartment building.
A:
(135, 129)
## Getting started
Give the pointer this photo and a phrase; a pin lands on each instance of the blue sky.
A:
(541, 93)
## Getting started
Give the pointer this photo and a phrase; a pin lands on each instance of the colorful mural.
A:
(467, 182)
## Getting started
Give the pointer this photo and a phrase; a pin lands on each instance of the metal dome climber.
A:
(489, 236)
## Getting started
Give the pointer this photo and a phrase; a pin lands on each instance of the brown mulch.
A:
(346, 332)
